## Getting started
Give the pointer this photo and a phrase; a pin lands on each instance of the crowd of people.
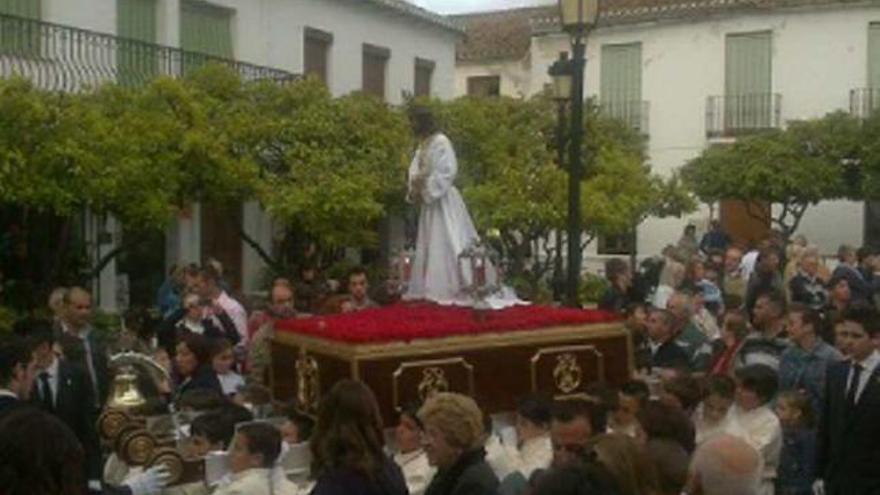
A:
(756, 373)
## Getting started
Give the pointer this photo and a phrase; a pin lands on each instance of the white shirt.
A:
(534, 454)
(763, 432)
(417, 472)
(747, 264)
(5, 392)
(869, 364)
(52, 371)
(236, 313)
(258, 482)
(230, 382)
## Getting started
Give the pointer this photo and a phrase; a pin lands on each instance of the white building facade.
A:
(688, 73)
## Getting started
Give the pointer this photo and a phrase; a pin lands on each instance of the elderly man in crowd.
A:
(725, 465)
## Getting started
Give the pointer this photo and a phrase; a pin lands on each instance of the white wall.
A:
(819, 55)
(513, 75)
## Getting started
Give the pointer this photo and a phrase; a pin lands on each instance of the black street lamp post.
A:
(577, 17)
(560, 72)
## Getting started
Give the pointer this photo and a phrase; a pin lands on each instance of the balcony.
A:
(633, 113)
(863, 102)
(63, 58)
(737, 115)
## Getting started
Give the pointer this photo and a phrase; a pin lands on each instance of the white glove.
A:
(818, 487)
(149, 482)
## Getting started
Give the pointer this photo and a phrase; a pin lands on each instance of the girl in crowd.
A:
(410, 456)
(797, 462)
(193, 359)
(347, 446)
(628, 464)
(222, 360)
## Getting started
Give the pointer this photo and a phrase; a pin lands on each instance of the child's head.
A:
(532, 417)
(794, 409)
(756, 385)
(720, 391)
(210, 431)
(222, 357)
(256, 445)
(408, 433)
(681, 392)
(297, 428)
(631, 397)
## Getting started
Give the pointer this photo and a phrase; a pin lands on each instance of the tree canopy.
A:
(808, 162)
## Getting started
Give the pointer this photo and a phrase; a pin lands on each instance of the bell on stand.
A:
(126, 394)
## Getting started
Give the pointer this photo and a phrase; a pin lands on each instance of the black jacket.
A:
(670, 355)
(203, 378)
(344, 481)
(470, 475)
(847, 453)
(75, 353)
(73, 406)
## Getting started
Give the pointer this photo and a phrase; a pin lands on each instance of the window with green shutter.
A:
(620, 84)
(874, 56)
(749, 102)
(19, 36)
(205, 29)
(137, 55)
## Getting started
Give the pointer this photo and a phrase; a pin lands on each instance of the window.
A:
(20, 37)
(619, 244)
(374, 67)
(484, 86)
(205, 30)
(423, 75)
(620, 86)
(874, 56)
(316, 53)
(136, 22)
(749, 102)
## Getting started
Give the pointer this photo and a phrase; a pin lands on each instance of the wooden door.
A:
(746, 223)
(221, 240)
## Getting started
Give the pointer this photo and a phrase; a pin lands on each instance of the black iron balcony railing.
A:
(863, 102)
(633, 113)
(733, 115)
(64, 58)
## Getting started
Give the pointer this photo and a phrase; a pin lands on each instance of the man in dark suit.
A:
(16, 367)
(848, 456)
(64, 390)
(665, 352)
(80, 345)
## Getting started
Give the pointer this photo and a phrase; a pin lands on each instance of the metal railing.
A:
(633, 113)
(863, 102)
(64, 58)
(733, 115)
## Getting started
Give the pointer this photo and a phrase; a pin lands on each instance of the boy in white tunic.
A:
(755, 387)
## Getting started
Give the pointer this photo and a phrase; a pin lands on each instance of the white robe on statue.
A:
(445, 231)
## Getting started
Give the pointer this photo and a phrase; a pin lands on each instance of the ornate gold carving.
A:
(567, 373)
(172, 460)
(433, 377)
(308, 384)
(433, 381)
(111, 422)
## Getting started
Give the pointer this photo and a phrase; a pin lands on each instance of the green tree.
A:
(790, 169)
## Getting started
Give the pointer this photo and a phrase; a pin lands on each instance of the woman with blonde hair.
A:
(627, 462)
(454, 444)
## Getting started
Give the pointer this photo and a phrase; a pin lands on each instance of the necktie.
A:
(853, 391)
(46, 392)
